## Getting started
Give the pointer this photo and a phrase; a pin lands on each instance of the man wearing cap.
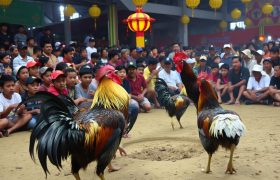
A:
(274, 87)
(267, 67)
(258, 56)
(150, 73)
(58, 85)
(33, 68)
(227, 54)
(211, 56)
(138, 87)
(202, 66)
(172, 78)
(91, 49)
(248, 60)
(274, 54)
(257, 86)
(22, 58)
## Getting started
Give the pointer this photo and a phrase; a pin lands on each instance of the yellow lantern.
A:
(69, 10)
(94, 11)
(192, 4)
(248, 22)
(267, 9)
(4, 4)
(139, 3)
(215, 4)
(235, 14)
(223, 24)
(185, 19)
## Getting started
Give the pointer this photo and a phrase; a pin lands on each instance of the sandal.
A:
(5, 133)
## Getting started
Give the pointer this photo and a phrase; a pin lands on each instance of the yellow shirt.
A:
(147, 74)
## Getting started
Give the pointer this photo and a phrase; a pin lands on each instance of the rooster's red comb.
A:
(179, 57)
(103, 71)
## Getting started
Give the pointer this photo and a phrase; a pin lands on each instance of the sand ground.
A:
(157, 152)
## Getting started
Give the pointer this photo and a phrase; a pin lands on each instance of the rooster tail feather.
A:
(228, 124)
(58, 135)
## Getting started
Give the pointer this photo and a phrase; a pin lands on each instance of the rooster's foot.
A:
(230, 170)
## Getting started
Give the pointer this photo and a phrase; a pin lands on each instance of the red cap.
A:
(32, 64)
(56, 73)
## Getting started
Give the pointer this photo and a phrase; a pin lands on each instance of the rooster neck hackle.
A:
(207, 97)
(110, 95)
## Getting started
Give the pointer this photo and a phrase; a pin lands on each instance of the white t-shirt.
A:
(5, 103)
(254, 85)
(171, 79)
(89, 51)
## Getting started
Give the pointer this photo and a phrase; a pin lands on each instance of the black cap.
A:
(267, 60)
(131, 65)
(211, 48)
(167, 60)
(86, 69)
(22, 46)
(32, 79)
(152, 61)
(91, 39)
(274, 49)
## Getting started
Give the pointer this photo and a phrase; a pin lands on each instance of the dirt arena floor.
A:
(155, 151)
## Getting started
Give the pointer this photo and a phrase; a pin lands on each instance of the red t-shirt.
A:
(138, 85)
(55, 92)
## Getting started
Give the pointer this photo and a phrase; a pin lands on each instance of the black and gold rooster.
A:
(93, 135)
(175, 105)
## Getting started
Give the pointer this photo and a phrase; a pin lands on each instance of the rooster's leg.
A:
(230, 168)
(209, 163)
(101, 176)
(181, 127)
(77, 176)
(172, 123)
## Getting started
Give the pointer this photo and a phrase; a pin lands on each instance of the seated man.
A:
(138, 87)
(274, 88)
(257, 86)
(238, 77)
(172, 78)
(267, 67)
(150, 73)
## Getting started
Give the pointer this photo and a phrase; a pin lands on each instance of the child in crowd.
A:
(5, 58)
(45, 74)
(214, 75)
(140, 69)
(85, 88)
(9, 100)
(22, 74)
(32, 108)
(222, 82)
(58, 85)
(71, 81)
(33, 68)
(94, 59)
(8, 70)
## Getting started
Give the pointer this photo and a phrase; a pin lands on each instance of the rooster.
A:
(216, 125)
(175, 105)
(92, 135)
(188, 77)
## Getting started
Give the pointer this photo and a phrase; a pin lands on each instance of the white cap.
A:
(258, 68)
(227, 46)
(247, 52)
(220, 65)
(203, 57)
(191, 60)
(260, 52)
(57, 44)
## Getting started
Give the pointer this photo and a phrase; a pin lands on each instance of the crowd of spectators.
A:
(28, 65)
